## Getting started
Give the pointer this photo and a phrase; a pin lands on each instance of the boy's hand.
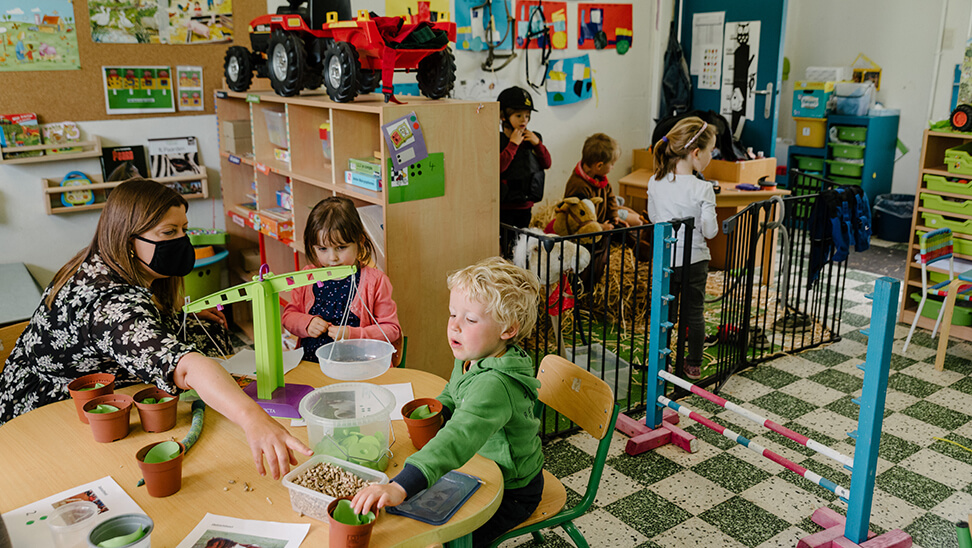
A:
(378, 497)
(607, 226)
(338, 332)
(531, 137)
(317, 327)
(517, 136)
(619, 223)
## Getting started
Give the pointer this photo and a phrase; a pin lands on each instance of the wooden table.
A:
(634, 187)
(49, 450)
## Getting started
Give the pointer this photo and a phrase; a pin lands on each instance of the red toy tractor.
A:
(301, 47)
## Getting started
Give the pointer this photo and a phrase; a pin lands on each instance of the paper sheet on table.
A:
(26, 525)
(244, 362)
(246, 532)
(403, 394)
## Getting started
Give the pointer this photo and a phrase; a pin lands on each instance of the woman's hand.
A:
(270, 441)
(214, 315)
(338, 332)
(378, 497)
(318, 326)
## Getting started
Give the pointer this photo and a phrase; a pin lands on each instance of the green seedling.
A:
(422, 412)
(123, 540)
(103, 408)
(162, 452)
(97, 385)
(149, 401)
(344, 513)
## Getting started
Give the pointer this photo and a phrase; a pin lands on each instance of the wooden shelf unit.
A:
(424, 240)
(934, 145)
(91, 149)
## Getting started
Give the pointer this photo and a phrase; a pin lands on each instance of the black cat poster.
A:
(123, 163)
(740, 61)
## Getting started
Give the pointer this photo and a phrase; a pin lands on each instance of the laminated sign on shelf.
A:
(405, 141)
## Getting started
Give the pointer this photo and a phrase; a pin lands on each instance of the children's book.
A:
(123, 163)
(20, 130)
(58, 133)
(176, 157)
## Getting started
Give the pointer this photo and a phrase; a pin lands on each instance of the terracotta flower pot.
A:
(342, 535)
(83, 389)
(109, 427)
(161, 478)
(423, 430)
(156, 417)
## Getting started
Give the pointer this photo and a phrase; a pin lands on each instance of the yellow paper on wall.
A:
(401, 7)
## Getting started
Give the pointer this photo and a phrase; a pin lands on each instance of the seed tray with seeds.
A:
(307, 482)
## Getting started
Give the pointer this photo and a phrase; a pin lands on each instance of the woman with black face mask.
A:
(115, 308)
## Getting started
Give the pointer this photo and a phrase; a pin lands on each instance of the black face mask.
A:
(171, 257)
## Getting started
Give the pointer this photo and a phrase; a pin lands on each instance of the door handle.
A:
(768, 92)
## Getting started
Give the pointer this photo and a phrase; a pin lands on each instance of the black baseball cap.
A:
(515, 98)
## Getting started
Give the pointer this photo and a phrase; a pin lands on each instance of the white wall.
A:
(902, 36)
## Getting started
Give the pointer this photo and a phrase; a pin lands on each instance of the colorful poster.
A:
(190, 84)
(199, 21)
(138, 90)
(38, 35)
(479, 22)
(569, 81)
(405, 141)
(537, 22)
(601, 26)
(740, 61)
(707, 48)
(404, 7)
(126, 21)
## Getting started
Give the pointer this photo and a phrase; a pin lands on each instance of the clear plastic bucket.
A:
(355, 359)
(71, 522)
(350, 421)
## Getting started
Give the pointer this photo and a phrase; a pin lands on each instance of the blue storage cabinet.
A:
(879, 145)
(807, 152)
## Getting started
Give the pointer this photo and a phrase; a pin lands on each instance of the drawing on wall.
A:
(126, 21)
(601, 26)
(477, 20)
(199, 21)
(537, 22)
(740, 62)
(569, 81)
(404, 7)
(190, 86)
(138, 90)
(485, 87)
(38, 35)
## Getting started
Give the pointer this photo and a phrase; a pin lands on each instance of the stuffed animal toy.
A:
(533, 250)
(576, 216)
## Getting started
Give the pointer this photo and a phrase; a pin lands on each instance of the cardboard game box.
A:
(20, 130)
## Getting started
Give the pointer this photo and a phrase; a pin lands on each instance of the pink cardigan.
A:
(374, 292)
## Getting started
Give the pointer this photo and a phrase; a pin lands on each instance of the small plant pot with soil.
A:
(423, 417)
(161, 465)
(88, 387)
(347, 529)
(156, 409)
(109, 416)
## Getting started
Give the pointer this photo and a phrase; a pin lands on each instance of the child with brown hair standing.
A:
(523, 158)
(675, 193)
(589, 180)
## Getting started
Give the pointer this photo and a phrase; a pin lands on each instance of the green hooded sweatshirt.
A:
(492, 413)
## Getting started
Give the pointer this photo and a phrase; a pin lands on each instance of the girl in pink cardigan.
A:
(317, 313)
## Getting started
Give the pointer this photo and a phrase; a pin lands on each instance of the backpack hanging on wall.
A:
(676, 96)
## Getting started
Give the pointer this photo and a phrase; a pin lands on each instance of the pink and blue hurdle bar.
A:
(660, 419)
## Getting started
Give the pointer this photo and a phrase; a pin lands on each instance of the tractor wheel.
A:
(341, 68)
(961, 118)
(437, 74)
(368, 80)
(286, 63)
(238, 69)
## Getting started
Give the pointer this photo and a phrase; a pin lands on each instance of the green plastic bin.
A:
(959, 159)
(809, 163)
(843, 150)
(961, 315)
(960, 246)
(934, 220)
(845, 169)
(845, 180)
(206, 276)
(948, 205)
(851, 133)
(946, 184)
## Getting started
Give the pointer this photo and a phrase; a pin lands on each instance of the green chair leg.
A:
(538, 537)
(576, 535)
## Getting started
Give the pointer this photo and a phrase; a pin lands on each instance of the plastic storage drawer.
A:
(959, 245)
(949, 205)
(945, 184)
(845, 180)
(845, 169)
(934, 220)
(851, 133)
(809, 163)
(841, 150)
(959, 159)
(960, 316)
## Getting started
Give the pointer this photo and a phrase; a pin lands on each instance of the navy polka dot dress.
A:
(330, 301)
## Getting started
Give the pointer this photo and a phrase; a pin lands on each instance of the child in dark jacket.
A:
(523, 159)
(489, 400)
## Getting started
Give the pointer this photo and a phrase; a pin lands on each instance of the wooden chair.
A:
(8, 338)
(588, 402)
(954, 291)
(937, 246)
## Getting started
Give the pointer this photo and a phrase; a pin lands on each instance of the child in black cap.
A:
(523, 158)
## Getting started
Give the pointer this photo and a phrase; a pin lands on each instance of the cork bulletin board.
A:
(78, 95)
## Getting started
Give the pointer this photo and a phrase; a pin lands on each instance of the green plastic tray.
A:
(845, 169)
(841, 150)
(845, 180)
(809, 163)
(945, 184)
(205, 236)
(960, 315)
(960, 246)
(959, 159)
(933, 220)
(949, 205)
(851, 133)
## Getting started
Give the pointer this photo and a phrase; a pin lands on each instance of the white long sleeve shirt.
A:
(680, 196)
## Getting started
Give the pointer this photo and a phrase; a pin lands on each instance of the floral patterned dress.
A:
(99, 324)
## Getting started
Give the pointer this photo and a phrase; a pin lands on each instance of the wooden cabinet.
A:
(423, 240)
(939, 197)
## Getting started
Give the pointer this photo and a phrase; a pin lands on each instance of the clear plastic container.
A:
(70, 523)
(355, 359)
(313, 503)
(277, 128)
(350, 421)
